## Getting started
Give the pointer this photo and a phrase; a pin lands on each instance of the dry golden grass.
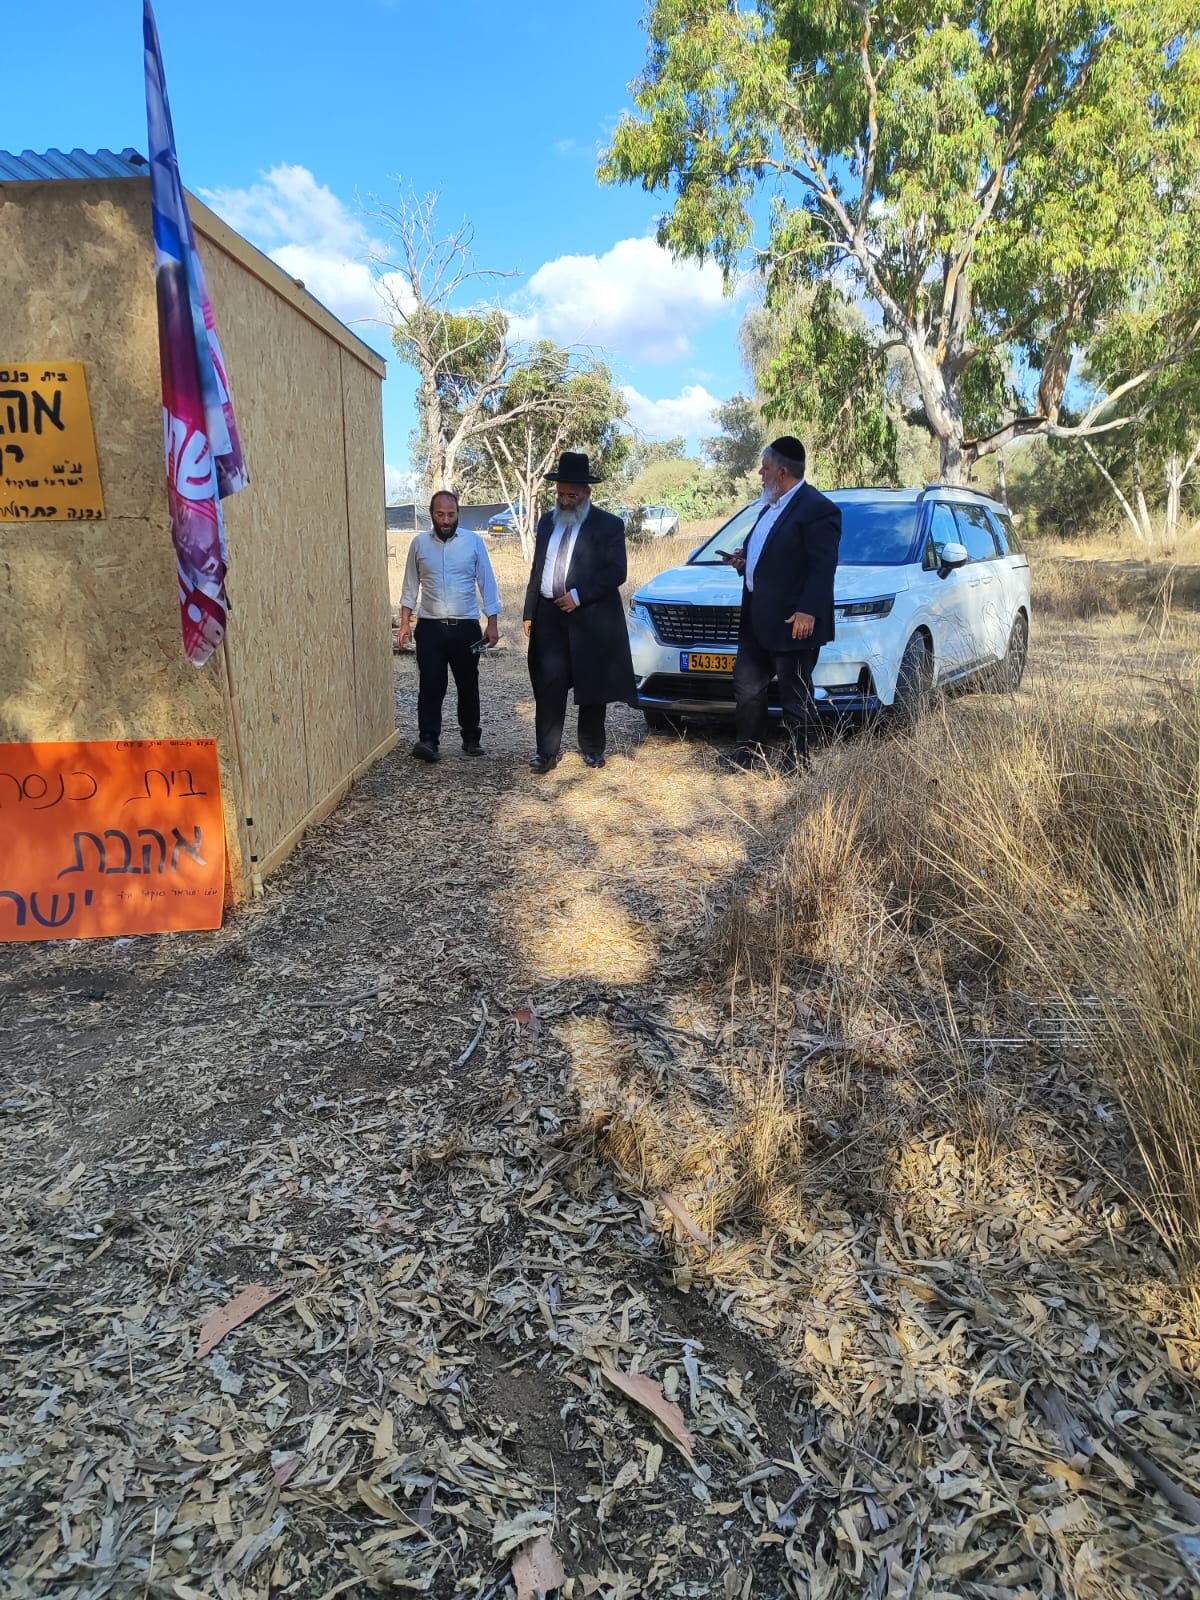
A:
(1120, 546)
(1040, 857)
(654, 556)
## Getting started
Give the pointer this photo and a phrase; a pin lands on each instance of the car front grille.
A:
(693, 625)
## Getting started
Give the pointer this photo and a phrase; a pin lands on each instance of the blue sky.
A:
(290, 117)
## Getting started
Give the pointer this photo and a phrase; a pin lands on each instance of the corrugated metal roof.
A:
(30, 167)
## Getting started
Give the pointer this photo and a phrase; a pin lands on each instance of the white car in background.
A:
(932, 589)
(649, 522)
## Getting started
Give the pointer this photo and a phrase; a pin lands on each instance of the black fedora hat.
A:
(573, 467)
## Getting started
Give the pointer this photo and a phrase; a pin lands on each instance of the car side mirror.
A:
(953, 556)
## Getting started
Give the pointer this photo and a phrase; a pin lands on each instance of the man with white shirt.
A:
(788, 565)
(448, 568)
(574, 618)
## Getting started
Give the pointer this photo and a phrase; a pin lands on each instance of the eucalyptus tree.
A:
(1002, 178)
(555, 400)
(457, 343)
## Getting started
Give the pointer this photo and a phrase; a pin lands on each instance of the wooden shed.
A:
(90, 643)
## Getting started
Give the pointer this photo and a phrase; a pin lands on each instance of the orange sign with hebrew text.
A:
(110, 837)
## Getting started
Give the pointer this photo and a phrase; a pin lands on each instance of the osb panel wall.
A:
(363, 420)
(291, 636)
(90, 639)
(90, 642)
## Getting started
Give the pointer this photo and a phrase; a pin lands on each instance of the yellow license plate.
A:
(702, 661)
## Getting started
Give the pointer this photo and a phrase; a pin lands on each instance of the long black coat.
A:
(600, 665)
(795, 572)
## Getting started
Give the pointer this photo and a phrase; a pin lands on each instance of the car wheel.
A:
(661, 722)
(914, 681)
(1007, 674)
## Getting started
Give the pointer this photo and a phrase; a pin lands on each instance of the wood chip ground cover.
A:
(931, 1382)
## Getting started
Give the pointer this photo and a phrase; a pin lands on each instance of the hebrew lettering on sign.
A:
(48, 466)
(110, 838)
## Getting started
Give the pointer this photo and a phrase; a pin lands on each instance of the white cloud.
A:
(690, 413)
(315, 237)
(346, 287)
(289, 204)
(636, 299)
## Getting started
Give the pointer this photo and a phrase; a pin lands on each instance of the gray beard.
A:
(574, 518)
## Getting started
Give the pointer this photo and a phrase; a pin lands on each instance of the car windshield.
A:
(874, 534)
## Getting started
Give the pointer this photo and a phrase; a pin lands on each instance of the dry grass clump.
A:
(741, 1160)
(1076, 587)
(653, 556)
(1074, 590)
(1005, 861)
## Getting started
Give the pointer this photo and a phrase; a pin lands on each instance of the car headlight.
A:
(880, 606)
(640, 613)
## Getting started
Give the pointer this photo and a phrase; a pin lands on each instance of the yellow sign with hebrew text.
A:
(48, 466)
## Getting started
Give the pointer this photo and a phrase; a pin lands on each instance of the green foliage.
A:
(736, 450)
(687, 486)
(833, 375)
(1057, 492)
(1001, 177)
(464, 347)
(644, 453)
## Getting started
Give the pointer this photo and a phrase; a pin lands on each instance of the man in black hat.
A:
(574, 619)
(787, 565)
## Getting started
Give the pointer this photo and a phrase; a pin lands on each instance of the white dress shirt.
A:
(448, 572)
(560, 533)
(762, 528)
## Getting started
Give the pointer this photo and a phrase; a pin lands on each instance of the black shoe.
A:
(592, 759)
(472, 747)
(541, 763)
(741, 758)
(426, 750)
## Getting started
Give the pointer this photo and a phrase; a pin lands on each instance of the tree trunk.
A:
(1174, 490)
(1139, 498)
(952, 463)
(431, 412)
(943, 407)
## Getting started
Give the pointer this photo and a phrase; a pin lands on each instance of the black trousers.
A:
(752, 674)
(444, 647)
(554, 683)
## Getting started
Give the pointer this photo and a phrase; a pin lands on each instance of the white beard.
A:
(573, 518)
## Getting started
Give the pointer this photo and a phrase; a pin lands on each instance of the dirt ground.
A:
(378, 1092)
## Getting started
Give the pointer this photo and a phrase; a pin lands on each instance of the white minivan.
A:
(932, 589)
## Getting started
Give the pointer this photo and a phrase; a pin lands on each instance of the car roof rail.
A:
(960, 488)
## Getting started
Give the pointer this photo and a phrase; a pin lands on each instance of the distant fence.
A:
(410, 518)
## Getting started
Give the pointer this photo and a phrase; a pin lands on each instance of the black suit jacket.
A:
(795, 572)
(594, 636)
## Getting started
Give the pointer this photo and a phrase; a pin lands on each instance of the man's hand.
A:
(567, 603)
(404, 636)
(528, 626)
(737, 560)
(802, 624)
(492, 633)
